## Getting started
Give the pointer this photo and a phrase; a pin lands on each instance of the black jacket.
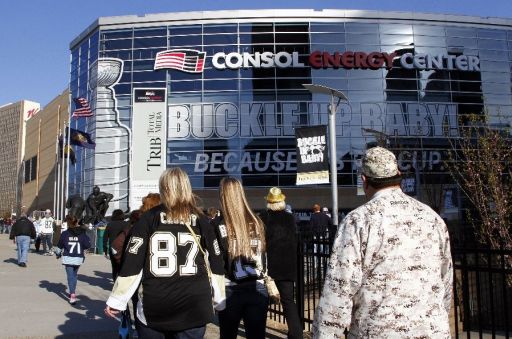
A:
(112, 231)
(281, 239)
(23, 226)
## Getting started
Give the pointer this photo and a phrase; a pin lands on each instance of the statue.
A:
(75, 206)
(97, 205)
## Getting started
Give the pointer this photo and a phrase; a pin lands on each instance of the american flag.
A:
(186, 60)
(82, 108)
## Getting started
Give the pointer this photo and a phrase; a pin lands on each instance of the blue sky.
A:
(35, 34)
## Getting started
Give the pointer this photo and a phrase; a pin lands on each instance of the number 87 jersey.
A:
(175, 293)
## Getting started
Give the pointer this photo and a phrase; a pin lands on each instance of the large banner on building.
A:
(149, 140)
(312, 162)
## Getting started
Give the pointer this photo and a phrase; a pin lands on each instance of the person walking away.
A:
(22, 231)
(114, 227)
(46, 232)
(281, 238)
(241, 237)
(72, 246)
(164, 254)
(390, 273)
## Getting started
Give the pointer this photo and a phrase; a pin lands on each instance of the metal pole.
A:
(334, 161)
(66, 191)
(57, 202)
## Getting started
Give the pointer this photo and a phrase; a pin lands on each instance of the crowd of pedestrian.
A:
(389, 273)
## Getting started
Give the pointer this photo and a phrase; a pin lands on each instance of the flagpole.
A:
(38, 162)
(66, 191)
(56, 161)
(63, 164)
(57, 201)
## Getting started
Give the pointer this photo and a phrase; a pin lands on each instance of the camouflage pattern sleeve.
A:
(446, 268)
(343, 280)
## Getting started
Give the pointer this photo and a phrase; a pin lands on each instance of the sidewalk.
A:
(34, 304)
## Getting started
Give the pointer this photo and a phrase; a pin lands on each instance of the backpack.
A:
(118, 245)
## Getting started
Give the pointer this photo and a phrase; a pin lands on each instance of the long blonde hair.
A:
(241, 223)
(176, 195)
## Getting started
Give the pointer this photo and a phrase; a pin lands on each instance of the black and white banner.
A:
(312, 162)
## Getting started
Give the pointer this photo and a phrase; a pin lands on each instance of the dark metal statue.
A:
(97, 205)
(75, 206)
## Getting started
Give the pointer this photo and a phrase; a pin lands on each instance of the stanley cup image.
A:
(111, 156)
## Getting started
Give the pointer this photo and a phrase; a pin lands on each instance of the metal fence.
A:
(482, 288)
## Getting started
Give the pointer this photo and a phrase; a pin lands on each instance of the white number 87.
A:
(163, 259)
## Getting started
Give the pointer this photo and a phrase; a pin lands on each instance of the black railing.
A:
(482, 287)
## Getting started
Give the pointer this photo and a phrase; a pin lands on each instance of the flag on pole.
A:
(67, 152)
(79, 138)
(82, 108)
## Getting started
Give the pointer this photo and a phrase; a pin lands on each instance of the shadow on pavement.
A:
(11, 261)
(101, 280)
(58, 288)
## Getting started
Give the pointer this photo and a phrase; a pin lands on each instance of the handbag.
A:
(270, 284)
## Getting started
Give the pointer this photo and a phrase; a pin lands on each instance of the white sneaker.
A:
(72, 299)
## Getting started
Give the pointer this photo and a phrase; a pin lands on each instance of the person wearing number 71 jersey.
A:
(164, 264)
(72, 245)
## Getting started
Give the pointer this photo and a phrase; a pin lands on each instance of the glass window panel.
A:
(492, 44)
(123, 34)
(220, 39)
(292, 38)
(328, 73)
(365, 96)
(177, 75)
(257, 84)
(327, 27)
(184, 98)
(123, 89)
(340, 84)
(365, 84)
(494, 88)
(118, 44)
(219, 97)
(150, 42)
(261, 48)
(124, 55)
(461, 42)
(291, 83)
(185, 30)
(397, 49)
(213, 73)
(328, 48)
(213, 29)
(404, 40)
(493, 55)
(256, 38)
(150, 32)
(126, 77)
(361, 28)
(190, 40)
(256, 28)
(185, 86)
(301, 49)
(362, 48)
(395, 29)
(257, 96)
(149, 53)
(494, 66)
(420, 40)
(492, 34)
(364, 39)
(291, 27)
(293, 72)
(328, 38)
(257, 72)
(461, 32)
(211, 50)
(148, 76)
(293, 96)
(429, 30)
(143, 65)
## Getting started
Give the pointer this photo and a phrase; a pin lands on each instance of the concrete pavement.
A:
(34, 302)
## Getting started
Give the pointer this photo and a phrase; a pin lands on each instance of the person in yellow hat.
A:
(282, 245)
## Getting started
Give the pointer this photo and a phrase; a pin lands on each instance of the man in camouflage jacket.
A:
(390, 272)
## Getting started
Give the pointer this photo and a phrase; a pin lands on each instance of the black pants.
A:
(247, 301)
(115, 267)
(291, 313)
(38, 243)
(149, 333)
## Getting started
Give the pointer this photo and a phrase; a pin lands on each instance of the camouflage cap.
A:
(379, 163)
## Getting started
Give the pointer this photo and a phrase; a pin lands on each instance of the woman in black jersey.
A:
(165, 258)
(241, 237)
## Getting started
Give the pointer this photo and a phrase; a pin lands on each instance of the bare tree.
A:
(481, 165)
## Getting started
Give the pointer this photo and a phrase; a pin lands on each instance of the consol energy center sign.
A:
(193, 61)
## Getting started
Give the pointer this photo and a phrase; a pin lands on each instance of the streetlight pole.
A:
(319, 89)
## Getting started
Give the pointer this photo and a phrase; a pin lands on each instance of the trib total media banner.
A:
(149, 141)
(312, 163)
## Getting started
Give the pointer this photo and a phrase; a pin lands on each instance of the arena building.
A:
(220, 93)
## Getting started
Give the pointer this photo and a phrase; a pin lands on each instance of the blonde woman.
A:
(163, 254)
(242, 241)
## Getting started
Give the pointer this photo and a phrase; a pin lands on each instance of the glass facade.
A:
(240, 119)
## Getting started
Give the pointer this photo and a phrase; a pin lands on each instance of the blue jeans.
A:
(247, 301)
(23, 244)
(72, 274)
(46, 239)
(145, 332)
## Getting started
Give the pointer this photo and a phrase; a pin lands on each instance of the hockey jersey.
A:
(72, 245)
(175, 294)
(241, 269)
(46, 225)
